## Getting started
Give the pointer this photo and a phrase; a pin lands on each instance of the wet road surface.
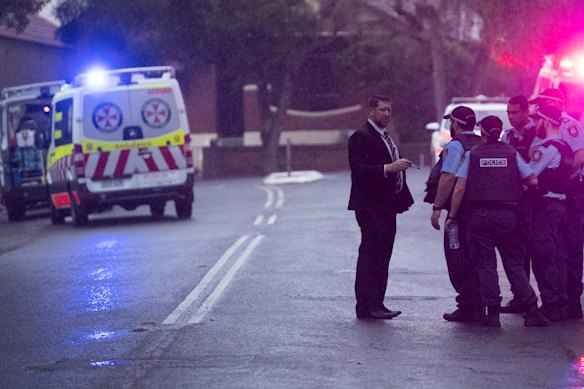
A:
(255, 291)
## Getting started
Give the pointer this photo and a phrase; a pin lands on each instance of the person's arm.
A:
(445, 185)
(578, 159)
(530, 180)
(527, 175)
(457, 196)
(358, 149)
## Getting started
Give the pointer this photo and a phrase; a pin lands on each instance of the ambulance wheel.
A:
(184, 208)
(15, 211)
(57, 216)
(79, 214)
(157, 209)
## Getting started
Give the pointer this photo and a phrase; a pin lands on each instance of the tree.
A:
(259, 41)
(15, 13)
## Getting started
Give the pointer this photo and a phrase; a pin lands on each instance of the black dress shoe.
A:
(385, 309)
(377, 314)
(513, 307)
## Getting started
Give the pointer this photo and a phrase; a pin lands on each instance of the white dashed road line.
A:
(259, 219)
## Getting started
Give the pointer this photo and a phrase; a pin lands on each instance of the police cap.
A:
(548, 95)
(548, 112)
(463, 115)
(491, 126)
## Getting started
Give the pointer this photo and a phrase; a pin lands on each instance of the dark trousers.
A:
(377, 237)
(462, 270)
(495, 226)
(574, 234)
(547, 248)
(524, 218)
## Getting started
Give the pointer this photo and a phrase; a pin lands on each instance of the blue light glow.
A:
(96, 78)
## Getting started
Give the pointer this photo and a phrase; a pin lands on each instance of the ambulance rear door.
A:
(132, 137)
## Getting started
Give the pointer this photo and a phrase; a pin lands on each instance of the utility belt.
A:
(492, 204)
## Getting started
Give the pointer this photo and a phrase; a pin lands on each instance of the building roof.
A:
(38, 30)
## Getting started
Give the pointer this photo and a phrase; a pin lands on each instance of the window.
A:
(63, 116)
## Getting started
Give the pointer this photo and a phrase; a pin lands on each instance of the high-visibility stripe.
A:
(168, 158)
(179, 157)
(121, 163)
(173, 138)
(99, 169)
(58, 153)
(61, 200)
(151, 164)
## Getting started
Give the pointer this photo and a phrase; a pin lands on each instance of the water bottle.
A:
(453, 236)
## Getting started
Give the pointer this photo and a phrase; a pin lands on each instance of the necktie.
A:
(399, 180)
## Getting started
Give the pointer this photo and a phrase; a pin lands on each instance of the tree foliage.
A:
(14, 13)
(259, 41)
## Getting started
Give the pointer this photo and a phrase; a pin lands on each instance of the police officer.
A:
(461, 271)
(490, 179)
(520, 137)
(572, 133)
(551, 161)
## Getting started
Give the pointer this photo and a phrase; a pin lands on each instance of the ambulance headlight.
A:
(96, 78)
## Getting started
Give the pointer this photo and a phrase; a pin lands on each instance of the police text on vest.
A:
(493, 162)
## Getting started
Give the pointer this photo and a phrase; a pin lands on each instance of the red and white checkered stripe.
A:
(58, 172)
(119, 163)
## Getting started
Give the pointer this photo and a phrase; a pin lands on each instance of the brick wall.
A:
(224, 162)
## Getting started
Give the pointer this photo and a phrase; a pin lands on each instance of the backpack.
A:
(467, 141)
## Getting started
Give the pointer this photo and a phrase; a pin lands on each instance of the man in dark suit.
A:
(378, 193)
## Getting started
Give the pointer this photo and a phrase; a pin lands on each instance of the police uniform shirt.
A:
(513, 132)
(524, 169)
(572, 132)
(454, 154)
(545, 157)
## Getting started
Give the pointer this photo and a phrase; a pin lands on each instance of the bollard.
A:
(422, 160)
(289, 157)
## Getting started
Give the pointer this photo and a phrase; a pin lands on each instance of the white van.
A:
(481, 105)
(119, 137)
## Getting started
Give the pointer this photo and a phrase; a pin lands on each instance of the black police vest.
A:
(522, 145)
(557, 180)
(493, 175)
(467, 141)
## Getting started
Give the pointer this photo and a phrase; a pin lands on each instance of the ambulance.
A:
(24, 115)
(119, 137)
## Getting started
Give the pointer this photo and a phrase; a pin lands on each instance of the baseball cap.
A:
(491, 126)
(463, 115)
(550, 94)
(550, 113)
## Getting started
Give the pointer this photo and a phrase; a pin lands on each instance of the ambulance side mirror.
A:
(41, 141)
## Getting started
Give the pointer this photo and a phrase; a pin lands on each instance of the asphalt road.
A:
(255, 291)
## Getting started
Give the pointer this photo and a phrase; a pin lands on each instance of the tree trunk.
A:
(272, 122)
(438, 65)
(481, 63)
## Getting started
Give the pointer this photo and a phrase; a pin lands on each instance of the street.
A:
(255, 291)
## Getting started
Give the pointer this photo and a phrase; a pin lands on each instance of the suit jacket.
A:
(371, 191)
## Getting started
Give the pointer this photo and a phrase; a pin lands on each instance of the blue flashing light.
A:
(96, 78)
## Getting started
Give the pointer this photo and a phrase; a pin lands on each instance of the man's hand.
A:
(448, 223)
(435, 220)
(398, 165)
